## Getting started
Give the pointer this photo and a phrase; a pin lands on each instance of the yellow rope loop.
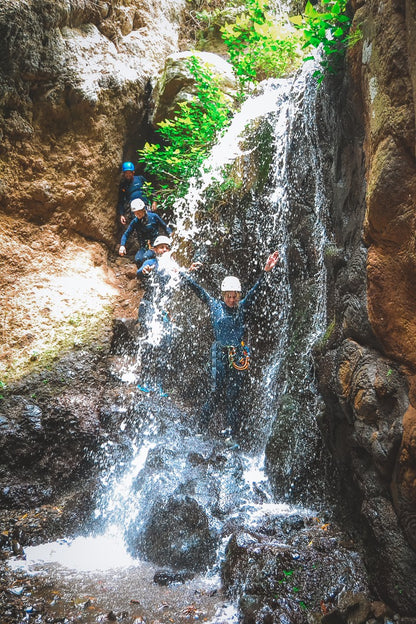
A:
(244, 361)
(243, 364)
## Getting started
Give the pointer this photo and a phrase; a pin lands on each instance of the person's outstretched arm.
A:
(270, 264)
(147, 267)
(200, 292)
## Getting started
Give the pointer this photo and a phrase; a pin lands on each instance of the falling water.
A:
(165, 459)
(289, 214)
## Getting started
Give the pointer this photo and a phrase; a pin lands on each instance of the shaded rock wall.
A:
(367, 372)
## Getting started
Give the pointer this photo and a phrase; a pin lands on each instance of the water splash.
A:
(225, 152)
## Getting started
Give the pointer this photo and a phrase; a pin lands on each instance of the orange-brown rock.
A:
(385, 77)
(73, 89)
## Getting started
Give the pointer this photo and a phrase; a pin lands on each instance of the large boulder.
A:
(176, 534)
(297, 569)
(176, 83)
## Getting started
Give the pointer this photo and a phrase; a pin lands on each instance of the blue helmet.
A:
(128, 166)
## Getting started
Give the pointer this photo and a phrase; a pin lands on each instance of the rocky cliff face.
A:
(368, 373)
(73, 90)
(73, 95)
(69, 116)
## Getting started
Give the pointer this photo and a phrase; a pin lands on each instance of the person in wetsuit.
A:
(229, 354)
(131, 187)
(158, 275)
(147, 226)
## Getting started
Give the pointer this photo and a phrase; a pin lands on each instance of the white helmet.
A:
(137, 204)
(162, 240)
(230, 283)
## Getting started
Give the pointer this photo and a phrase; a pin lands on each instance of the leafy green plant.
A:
(327, 26)
(187, 138)
(259, 45)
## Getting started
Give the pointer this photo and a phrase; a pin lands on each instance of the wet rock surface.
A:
(365, 364)
(177, 534)
(300, 569)
(130, 596)
(50, 430)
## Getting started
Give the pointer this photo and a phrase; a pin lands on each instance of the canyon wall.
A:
(74, 84)
(367, 374)
(73, 91)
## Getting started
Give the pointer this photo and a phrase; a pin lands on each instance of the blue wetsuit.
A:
(229, 326)
(129, 190)
(147, 230)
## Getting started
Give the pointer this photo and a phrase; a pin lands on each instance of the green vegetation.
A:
(327, 28)
(260, 45)
(187, 137)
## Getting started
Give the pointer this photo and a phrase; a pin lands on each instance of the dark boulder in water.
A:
(168, 577)
(176, 533)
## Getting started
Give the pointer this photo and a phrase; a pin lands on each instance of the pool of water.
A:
(93, 579)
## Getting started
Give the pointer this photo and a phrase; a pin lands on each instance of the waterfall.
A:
(288, 213)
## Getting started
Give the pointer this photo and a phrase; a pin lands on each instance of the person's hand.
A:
(271, 261)
(154, 206)
(122, 250)
(123, 220)
(147, 269)
(195, 266)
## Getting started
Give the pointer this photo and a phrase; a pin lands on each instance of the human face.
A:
(129, 175)
(139, 213)
(161, 249)
(231, 298)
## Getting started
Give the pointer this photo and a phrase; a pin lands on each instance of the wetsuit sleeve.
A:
(151, 262)
(200, 292)
(162, 224)
(250, 297)
(127, 233)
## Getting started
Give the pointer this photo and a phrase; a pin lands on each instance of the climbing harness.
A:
(242, 363)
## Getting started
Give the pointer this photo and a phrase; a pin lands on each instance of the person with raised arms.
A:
(230, 357)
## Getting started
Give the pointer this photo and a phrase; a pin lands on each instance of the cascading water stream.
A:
(166, 460)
